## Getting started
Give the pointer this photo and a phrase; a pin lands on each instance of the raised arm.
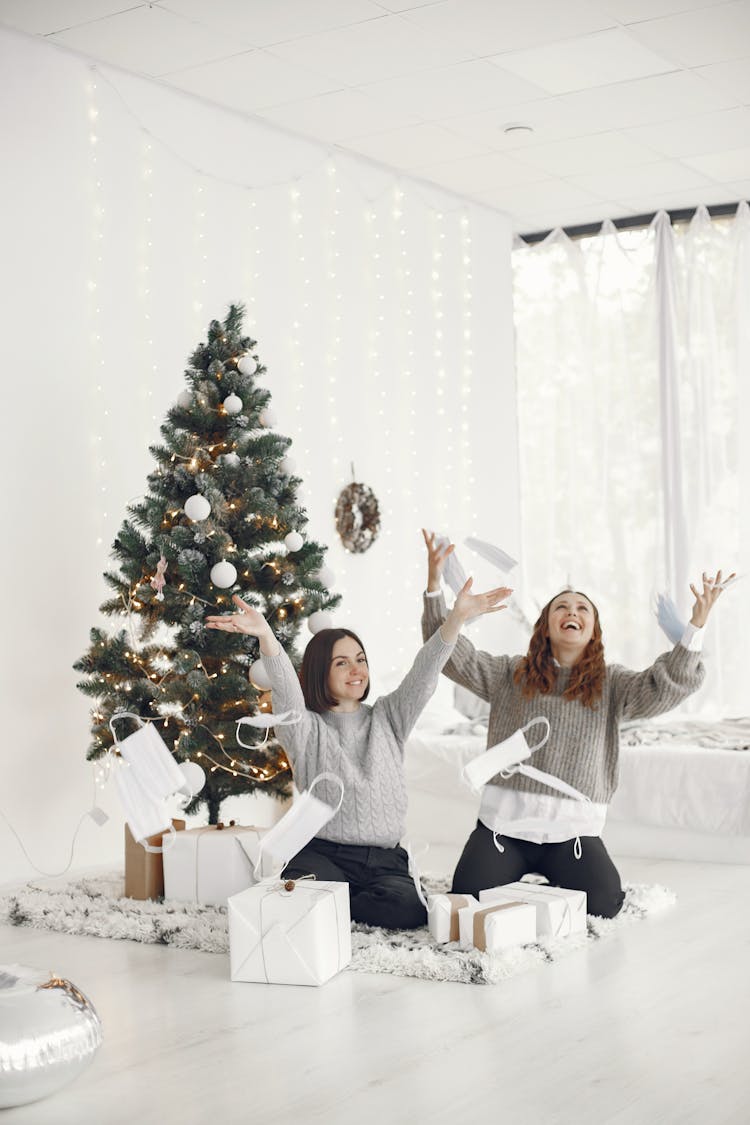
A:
(676, 674)
(285, 685)
(473, 669)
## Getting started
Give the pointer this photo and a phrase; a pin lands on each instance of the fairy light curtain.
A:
(633, 416)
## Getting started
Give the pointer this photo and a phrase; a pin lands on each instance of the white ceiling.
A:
(634, 104)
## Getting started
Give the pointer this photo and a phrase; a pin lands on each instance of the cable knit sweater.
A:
(365, 748)
(583, 746)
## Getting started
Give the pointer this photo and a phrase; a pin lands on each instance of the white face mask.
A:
(146, 775)
(508, 753)
(296, 828)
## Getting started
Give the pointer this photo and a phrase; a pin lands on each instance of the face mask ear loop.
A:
(531, 723)
(499, 846)
(577, 849)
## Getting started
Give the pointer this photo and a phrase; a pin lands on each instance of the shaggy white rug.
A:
(96, 907)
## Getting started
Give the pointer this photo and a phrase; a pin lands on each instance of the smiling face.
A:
(570, 625)
(348, 674)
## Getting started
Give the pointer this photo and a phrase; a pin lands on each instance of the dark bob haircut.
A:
(315, 665)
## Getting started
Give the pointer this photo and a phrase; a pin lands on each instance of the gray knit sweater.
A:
(583, 746)
(365, 748)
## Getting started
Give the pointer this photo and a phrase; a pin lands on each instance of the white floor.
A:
(648, 1027)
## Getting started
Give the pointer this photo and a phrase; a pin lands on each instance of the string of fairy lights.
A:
(395, 369)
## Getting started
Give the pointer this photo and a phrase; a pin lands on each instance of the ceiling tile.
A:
(733, 164)
(587, 154)
(694, 136)
(663, 97)
(647, 179)
(733, 78)
(44, 17)
(415, 147)
(339, 116)
(634, 11)
(147, 41)
(542, 196)
(462, 88)
(474, 173)
(486, 27)
(679, 200)
(382, 48)
(405, 5)
(578, 64)
(570, 217)
(260, 23)
(250, 81)
(699, 38)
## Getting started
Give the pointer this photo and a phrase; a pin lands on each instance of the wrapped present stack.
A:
(512, 914)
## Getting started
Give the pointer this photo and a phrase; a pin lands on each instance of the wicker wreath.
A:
(357, 518)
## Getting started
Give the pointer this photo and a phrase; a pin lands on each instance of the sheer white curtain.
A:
(633, 352)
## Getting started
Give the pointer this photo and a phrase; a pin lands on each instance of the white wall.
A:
(131, 217)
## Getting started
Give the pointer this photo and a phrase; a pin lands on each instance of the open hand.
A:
(436, 557)
(705, 599)
(247, 620)
(469, 605)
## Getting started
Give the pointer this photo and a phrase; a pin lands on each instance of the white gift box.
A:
(560, 911)
(293, 932)
(442, 915)
(209, 864)
(497, 925)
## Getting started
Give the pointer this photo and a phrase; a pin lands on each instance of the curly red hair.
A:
(537, 671)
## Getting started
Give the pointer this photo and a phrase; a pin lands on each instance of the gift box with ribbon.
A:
(290, 932)
(209, 864)
(144, 870)
(494, 926)
(442, 915)
(559, 911)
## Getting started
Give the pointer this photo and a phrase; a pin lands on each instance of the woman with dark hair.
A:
(564, 679)
(363, 745)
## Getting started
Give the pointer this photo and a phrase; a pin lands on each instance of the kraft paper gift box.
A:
(494, 926)
(144, 871)
(560, 911)
(290, 932)
(207, 865)
(442, 915)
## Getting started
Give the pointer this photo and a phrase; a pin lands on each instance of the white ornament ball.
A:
(319, 620)
(185, 399)
(223, 574)
(195, 778)
(325, 576)
(197, 507)
(287, 465)
(231, 459)
(247, 365)
(258, 675)
(233, 404)
(293, 541)
(49, 1033)
(267, 418)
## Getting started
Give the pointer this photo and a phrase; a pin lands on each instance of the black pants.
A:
(481, 866)
(381, 890)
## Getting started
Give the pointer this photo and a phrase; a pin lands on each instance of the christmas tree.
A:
(220, 517)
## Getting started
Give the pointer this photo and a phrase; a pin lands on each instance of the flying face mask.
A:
(504, 756)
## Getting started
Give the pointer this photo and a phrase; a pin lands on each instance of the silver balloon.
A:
(49, 1032)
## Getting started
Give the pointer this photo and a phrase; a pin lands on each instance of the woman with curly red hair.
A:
(564, 679)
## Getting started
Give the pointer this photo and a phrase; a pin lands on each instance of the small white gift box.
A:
(290, 932)
(493, 926)
(442, 915)
(209, 864)
(559, 911)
